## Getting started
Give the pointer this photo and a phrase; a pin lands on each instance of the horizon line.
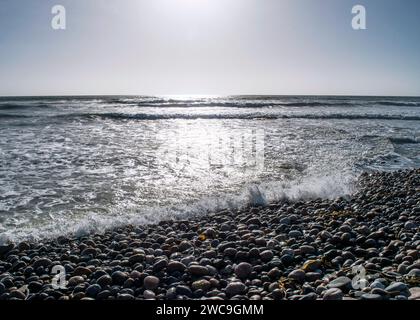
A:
(211, 95)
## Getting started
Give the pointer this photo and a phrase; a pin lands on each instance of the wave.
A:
(227, 102)
(13, 106)
(389, 161)
(148, 116)
(210, 116)
(8, 116)
(398, 103)
(170, 103)
(307, 188)
(403, 140)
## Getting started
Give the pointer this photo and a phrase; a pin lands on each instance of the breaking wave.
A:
(149, 116)
(309, 188)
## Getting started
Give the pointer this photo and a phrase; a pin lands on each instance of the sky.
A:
(210, 47)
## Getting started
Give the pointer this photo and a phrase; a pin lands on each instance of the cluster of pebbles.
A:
(363, 247)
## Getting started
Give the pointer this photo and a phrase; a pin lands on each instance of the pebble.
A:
(119, 277)
(297, 275)
(289, 250)
(343, 283)
(160, 265)
(82, 271)
(397, 287)
(151, 282)
(201, 285)
(295, 234)
(370, 296)
(93, 290)
(197, 270)
(74, 281)
(184, 291)
(333, 294)
(266, 255)
(243, 270)
(235, 288)
(104, 280)
(136, 258)
(175, 266)
(43, 262)
(148, 294)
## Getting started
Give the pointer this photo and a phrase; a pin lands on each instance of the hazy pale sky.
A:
(209, 47)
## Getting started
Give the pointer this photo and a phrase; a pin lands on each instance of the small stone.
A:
(136, 258)
(410, 225)
(325, 235)
(184, 245)
(125, 296)
(201, 285)
(305, 249)
(151, 282)
(160, 265)
(183, 291)
(2, 288)
(402, 268)
(33, 286)
(174, 266)
(371, 296)
(103, 295)
(343, 283)
(333, 294)
(312, 276)
(17, 294)
(274, 273)
(74, 281)
(89, 251)
(197, 270)
(297, 275)
(104, 280)
(309, 296)
(377, 284)
(6, 248)
(311, 265)
(266, 255)
(295, 234)
(414, 273)
(82, 271)
(149, 295)
(414, 293)
(93, 290)
(210, 233)
(235, 288)
(397, 287)
(43, 262)
(287, 259)
(23, 246)
(277, 294)
(285, 220)
(119, 277)
(243, 270)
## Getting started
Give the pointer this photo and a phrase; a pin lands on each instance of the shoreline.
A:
(291, 250)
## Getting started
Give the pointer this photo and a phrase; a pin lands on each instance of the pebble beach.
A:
(362, 247)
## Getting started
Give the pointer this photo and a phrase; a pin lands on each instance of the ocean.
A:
(74, 165)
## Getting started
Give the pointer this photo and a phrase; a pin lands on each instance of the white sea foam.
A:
(326, 187)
